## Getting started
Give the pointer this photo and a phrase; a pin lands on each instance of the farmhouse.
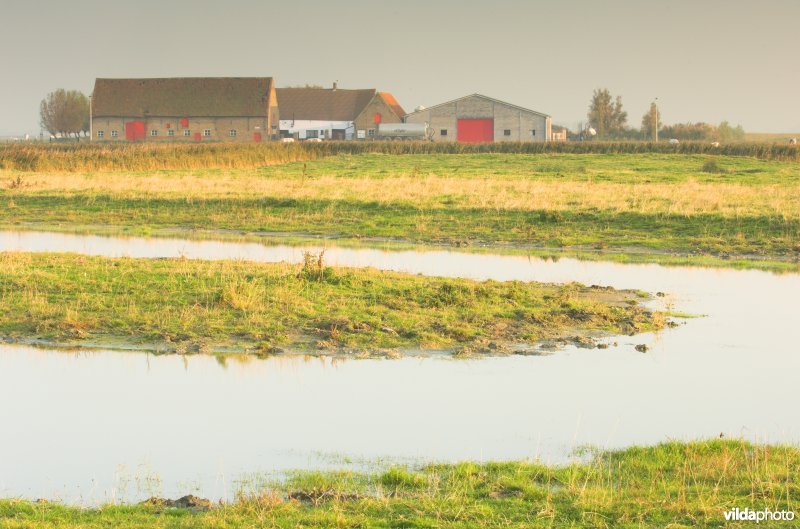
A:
(559, 133)
(335, 113)
(185, 109)
(477, 118)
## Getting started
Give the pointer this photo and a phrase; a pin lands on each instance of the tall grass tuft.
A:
(711, 167)
(155, 156)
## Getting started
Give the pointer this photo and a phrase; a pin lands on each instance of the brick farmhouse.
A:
(251, 109)
(185, 109)
(334, 113)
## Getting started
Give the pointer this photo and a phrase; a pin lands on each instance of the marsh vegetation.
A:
(197, 306)
(669, 485)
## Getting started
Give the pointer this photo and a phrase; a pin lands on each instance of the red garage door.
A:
(475, 130)
(134, 130)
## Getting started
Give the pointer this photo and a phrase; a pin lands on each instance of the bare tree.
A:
(65, 112)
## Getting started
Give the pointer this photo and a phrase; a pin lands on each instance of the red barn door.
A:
(475, 130)
(134, 130)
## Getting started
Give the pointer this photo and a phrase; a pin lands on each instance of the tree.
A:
(691, 131)
(605, 113)
(65, 112)
(728, 133)
(648, 121)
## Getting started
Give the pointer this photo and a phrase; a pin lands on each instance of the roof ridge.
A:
(484, 97)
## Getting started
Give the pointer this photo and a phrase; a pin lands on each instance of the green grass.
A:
(187, 306)
(621, 168)
(761, 235)
(673, 485)
(658, 203)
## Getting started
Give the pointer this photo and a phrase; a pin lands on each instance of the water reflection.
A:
(70, 419)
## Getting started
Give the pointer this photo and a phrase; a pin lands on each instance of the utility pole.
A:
(655, 122)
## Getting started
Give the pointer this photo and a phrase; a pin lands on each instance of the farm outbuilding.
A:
(185, 109)
(335, 113)
(478, 119)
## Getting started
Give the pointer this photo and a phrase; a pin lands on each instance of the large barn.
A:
(335, 113)
(477, 119)
(185, 109)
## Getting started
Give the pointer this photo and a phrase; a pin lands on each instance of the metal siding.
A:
(475, 130)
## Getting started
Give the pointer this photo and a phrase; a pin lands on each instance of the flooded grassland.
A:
(185, 306)
(338, 435)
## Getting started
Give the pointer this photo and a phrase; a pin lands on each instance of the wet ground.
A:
(94, 426)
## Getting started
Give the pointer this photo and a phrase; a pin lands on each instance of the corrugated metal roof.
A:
(182, 96)
(483, 97)
(324, 104)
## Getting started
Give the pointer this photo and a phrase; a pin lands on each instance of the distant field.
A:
(690, 204)
(770, 137)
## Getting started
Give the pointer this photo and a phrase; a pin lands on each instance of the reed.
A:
(157, 156)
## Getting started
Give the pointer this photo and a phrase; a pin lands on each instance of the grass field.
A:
(771, 137)
(660, 203)
(673, 485)
(191, 306)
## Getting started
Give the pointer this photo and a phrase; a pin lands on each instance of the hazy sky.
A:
(705, 60)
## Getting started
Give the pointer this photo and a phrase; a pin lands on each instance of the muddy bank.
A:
(478, 349)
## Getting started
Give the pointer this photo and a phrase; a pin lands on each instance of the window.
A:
(206, 132)
(232, 133)
(311, 134)
(443, 132)
(100, 133)
(187, 132)
(171, 132)
(507, 132)
(154, 132)
(533, 132)
(371, 133)
(114, 133)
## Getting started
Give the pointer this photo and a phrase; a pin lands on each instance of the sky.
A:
(705, 60)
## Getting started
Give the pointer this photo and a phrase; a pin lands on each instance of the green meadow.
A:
(664, 205)
(185, 306)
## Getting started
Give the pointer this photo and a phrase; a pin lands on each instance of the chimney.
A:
(334, 86)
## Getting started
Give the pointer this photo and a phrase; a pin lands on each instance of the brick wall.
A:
(366, 119)
(219, 129)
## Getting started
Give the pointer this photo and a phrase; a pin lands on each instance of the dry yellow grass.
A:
(677, 198)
